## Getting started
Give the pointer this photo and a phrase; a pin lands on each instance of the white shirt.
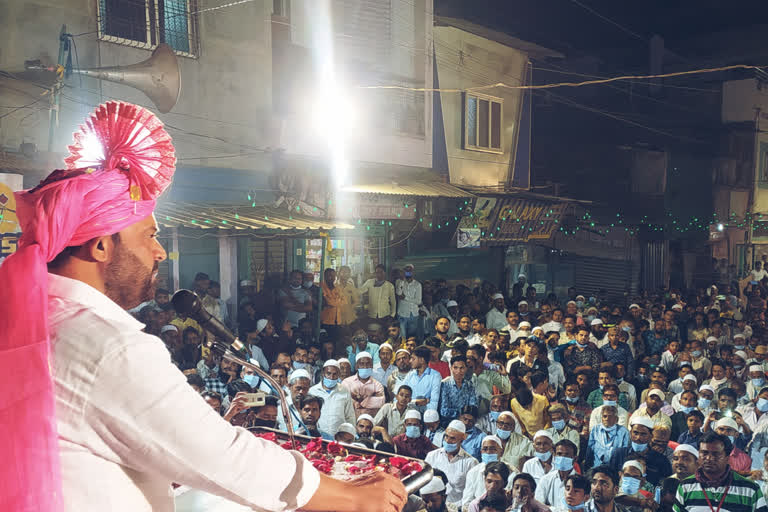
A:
(474, 487)
(395, 420)
(455, 470)
(496, 319)
(534, 468)
(550, 490)
(337, 408)
(409, 306)
(596, 418)
(129, 424)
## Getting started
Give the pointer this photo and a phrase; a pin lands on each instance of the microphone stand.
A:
(224, 351)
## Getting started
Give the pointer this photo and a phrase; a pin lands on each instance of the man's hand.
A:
(236, 407)
(379, 492)
(419, 401)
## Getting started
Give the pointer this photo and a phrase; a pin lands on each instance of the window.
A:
(482, 123)
(147, 23)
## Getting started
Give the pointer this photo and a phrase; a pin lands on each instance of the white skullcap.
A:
(434, 486)
(658, 393)
(402, 350)
(507, 413)
(451, 303)
(261, 324)
(524, 324)
(577, 297)
(570, 302)
(344, 360)
(739, 336)
(301, 373)
(331, 362)
(641, 420)
(246, 282)
(458, 426)
(706, 387)
(537, 328)
(497, 296)
(634, 464)
(522, 303)
(711, 338)
(677, 307)
(727, 422)
(543, 433)
(690, 376)
(596, 321)
(362, 355)
(520, 275)
(412, 414)
(755, 368)
(634, 306)
(387, 345)
(495, 439)
(254, 362)
(365, 417)
(348, 428)
(741, 354)
(430, 416)
(169, 327)
(687, 448)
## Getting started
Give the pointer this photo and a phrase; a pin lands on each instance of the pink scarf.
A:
(122, 160)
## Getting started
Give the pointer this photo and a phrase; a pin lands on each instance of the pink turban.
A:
(122, 160)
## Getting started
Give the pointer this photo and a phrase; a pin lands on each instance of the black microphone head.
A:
(186, 302)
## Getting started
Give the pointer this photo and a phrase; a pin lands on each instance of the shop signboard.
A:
(9, 223)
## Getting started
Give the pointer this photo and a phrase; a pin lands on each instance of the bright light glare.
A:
(92, 152)
(720, 227)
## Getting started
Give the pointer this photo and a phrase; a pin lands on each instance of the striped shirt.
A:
(743, 496)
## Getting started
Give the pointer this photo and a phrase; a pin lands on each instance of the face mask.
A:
(704, 403)
(558, 424)
(503, 434)
(592, 300)
(579, 304)
(409, 274)
(572, 400)
(364, 373)
(412, 431)
(563, 463)
(308, 284)
(601, 387)
(696, 353)
(450, 447)
(298, 366)
(619, 379)
(626, 329)
(732, 438)
(639, 447)
(488, 457)
(580, 506)
(738, 366)
(543, 457)
(296, 287)
(641, 377)
(762, 405)
(494, 415)
(630, 485)
(611, 403)
(758, 382)
(687, 410)
(258, 422)
(251, 380)
(738, 347)
(330, 383)
(590, 318)
(608, 430)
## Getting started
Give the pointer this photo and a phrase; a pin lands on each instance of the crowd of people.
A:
(517, 401)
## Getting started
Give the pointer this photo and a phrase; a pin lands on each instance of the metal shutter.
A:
(618, 277)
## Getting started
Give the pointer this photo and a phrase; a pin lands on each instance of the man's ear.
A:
(100, 249)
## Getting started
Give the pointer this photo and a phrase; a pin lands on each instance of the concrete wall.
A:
(226, 90)
(465, 60)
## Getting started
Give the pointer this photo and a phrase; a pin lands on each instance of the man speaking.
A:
(103, 420)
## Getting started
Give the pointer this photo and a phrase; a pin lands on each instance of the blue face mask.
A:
(610, 403)
(503, 434)
(330, 383)
(687, 410)
(590, 318)
(488, 457)
(630, 485)
(251, 380)
(308, 284)
(579, 304)
(412, 431)
(543, 457)
(732, 438)
(450, 447)
(408, 274)
(626, 329)
(739, 347)
(704, 403)
(298, 366)
(364, 373)
(558, 424)
(572, 400)
(696, 353)
(580, 506)
(758, 383)
(601, 387)
(563, 463)
(609, 430)
(639, 447)
(762, 405)
(494, 415)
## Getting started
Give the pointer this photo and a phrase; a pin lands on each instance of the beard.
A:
(127, 281)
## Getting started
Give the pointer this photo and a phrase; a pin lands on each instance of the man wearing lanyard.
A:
(715, 487)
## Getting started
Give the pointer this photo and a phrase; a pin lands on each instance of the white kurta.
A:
(455, 470)
(129, 424)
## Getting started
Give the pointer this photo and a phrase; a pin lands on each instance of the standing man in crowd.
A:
(381, 302)
(408, 292)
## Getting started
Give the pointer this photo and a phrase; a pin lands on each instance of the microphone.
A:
(189, 304)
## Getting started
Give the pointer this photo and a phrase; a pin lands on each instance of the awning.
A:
(435, 189)
(521, 220)
(202, 216)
